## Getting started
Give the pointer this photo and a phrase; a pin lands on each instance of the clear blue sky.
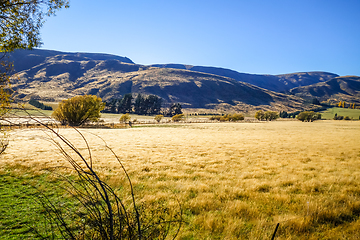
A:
(257, 36)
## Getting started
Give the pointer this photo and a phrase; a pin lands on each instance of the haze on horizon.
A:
(264, 37)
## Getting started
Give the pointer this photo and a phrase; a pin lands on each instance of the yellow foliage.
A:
(79, 110)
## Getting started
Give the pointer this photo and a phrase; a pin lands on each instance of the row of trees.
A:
(229, 117)
(338, 117)
(343, 104)
(40, 105)
(268, 115)
(141, 105)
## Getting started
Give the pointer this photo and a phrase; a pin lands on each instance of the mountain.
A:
(26, 59)
(63, 75)
(345, 88)
(277, 83)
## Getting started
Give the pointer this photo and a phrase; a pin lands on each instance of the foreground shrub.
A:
(79, 110)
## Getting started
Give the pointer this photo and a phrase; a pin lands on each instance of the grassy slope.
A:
(234, 181)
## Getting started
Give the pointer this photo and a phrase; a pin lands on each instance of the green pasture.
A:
(330, 113)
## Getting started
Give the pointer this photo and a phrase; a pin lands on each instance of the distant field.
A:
(234, 180)
(330, 113)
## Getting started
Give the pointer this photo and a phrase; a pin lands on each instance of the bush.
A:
(308, 116)
(178, 117)
(158, 118)
(336, 117)
(228, 117)
(79, 110)
(237, 117)
(125, 118)
(215, 118)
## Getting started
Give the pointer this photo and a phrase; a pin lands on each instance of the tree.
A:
(5, 69)
(111, 106)
(125, 104)
(283, 114)
(308, 116)
(270, 115)
(175, 109)
(79, 110)
(237, 117)
(259, 115)
(139, 105)
(21, 22)
(153, 104)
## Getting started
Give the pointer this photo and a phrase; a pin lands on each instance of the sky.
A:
(257, 36)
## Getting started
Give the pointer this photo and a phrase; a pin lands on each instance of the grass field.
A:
(330, 113)
(233, 180)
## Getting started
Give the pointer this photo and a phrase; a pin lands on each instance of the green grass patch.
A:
(21, 214)
(330, 113)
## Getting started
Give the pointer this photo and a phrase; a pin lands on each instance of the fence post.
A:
(273, 236)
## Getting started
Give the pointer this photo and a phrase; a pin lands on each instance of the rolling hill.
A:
(345, 88)
(277, 83)
(62, 75)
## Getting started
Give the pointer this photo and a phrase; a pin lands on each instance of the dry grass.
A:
(234, 180)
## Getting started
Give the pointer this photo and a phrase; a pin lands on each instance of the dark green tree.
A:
(139, 105)
(153, 104)
(174, 109)
(125, 104)
(283, 114)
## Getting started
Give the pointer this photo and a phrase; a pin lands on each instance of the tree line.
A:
(343, 104)
(141, 105)
(40, 105)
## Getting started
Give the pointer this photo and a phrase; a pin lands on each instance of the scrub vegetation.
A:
(233, 180)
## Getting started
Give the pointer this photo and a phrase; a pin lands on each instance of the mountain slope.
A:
(278, 83)
(60, 77)
(345, 88)
(25, 59)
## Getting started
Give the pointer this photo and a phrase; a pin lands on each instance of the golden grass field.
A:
(233, 180)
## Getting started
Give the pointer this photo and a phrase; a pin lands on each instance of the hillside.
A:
(26, 59)
(66, 75)
(345, 88)
(277, 83)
